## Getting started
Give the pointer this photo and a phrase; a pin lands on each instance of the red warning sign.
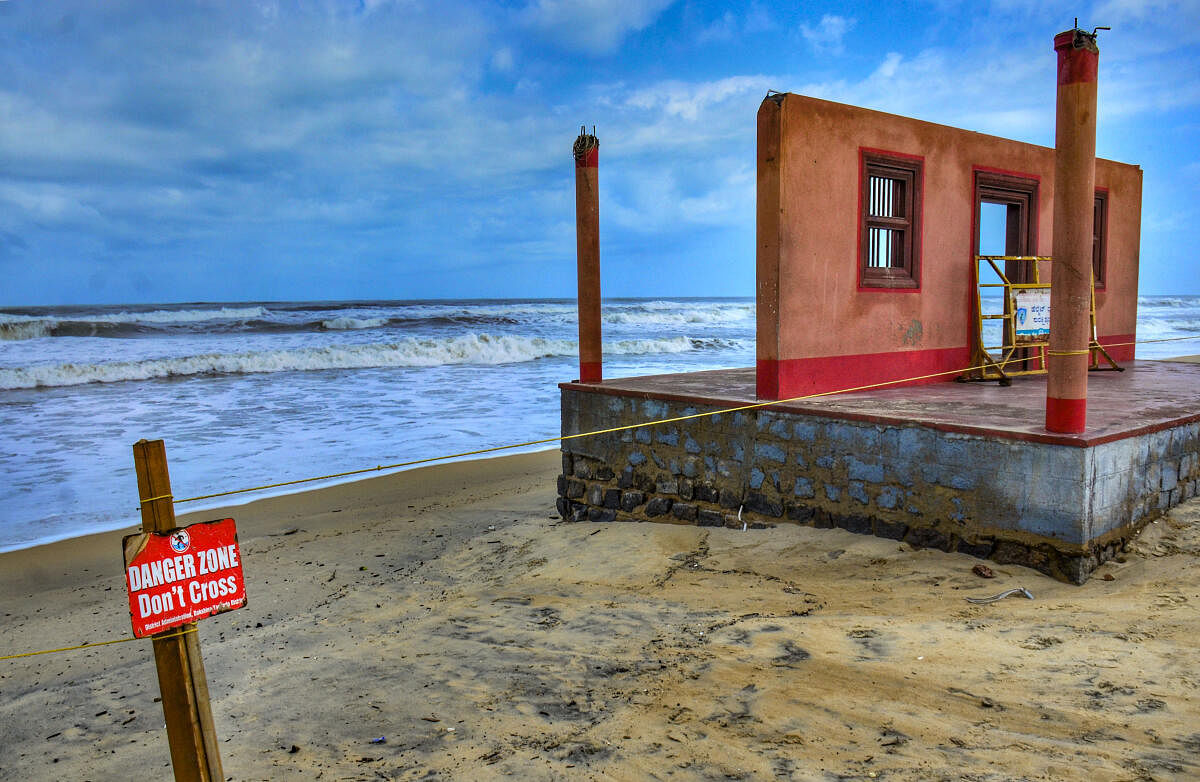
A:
(184, 575)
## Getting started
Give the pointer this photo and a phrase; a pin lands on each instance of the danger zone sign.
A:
(184, 575)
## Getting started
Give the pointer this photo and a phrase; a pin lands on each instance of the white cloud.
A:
(48, 204)
(758, 20)
(827, 36)
(1118, 11)
(334, 129)
(939, 87)
(689, 100)
(503, 60)
(681, 154)
(729, 202)
(595, 26)
(887, 68)
(666, 195)
(730, 26)
(723, 29)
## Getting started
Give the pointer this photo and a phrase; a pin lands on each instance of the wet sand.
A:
(450, 613)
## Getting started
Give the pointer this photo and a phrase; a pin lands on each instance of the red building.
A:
(868, 224)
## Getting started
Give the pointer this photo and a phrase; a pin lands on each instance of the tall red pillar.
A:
(587, 239)
(1074, 196)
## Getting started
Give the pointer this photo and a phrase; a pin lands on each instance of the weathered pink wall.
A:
(818, 330)
(1116, 301)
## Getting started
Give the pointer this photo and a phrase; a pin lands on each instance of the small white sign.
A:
(1031, 314)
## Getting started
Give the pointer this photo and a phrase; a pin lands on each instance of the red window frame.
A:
(1100, 238)
(891, 191)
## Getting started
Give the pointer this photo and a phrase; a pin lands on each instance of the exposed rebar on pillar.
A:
(1074, 197)
(587, 237)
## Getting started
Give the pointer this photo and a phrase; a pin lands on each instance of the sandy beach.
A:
(818, 303)
(443, 623)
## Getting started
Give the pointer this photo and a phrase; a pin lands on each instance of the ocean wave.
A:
(183, 316)
(655, 316)
(467, 349)
(349, 324)
(1164, 328)
(279, 318)
(647, 312)
(1188, 302)
(16, 327)
(21, 327)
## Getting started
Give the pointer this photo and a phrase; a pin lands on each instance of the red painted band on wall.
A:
(1075, 66)
(1066, 416)
(1122, 348)
(590, 372)
(589, 159)
(787, 378)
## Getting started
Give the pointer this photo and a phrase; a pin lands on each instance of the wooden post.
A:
(193, 739)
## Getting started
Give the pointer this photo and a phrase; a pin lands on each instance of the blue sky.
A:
(222, 151)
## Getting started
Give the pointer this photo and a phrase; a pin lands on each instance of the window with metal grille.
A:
(890, 228)
(1099, 232)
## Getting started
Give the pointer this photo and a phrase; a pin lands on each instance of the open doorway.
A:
(1006, 224)
(991, 240)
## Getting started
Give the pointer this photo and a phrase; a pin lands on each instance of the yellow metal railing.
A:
(1021, 354)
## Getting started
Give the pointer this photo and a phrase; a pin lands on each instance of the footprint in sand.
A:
(1170, 600)
(871, 643)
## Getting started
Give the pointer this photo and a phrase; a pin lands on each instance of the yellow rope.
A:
(1148, 341)
(547, 440)
(611, 430)
(152, 499)
(1083, 352)
(560, 438)
(501, 448)
(98, 643)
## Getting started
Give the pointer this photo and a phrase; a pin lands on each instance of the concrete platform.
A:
(965, 467)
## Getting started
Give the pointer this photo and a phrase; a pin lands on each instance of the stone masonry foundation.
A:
(1060, 509)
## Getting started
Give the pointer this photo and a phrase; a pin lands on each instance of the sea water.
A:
(251, 393)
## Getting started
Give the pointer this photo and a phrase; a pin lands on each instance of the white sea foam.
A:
(681, 315)
(1192, 302)
(649, 312)
(466, 349)
(514, 311)
(1162, 328)
(540, 314)
(180, 316)
(641, 347)
(350, 324)
(21, 327)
